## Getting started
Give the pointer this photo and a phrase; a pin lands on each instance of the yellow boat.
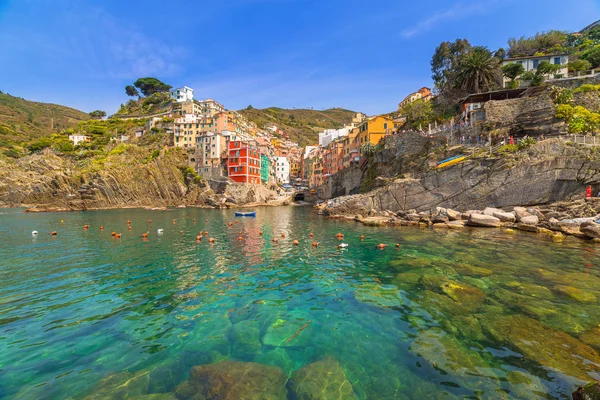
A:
(450, 161)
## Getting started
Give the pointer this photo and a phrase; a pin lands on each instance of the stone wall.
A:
(574, 83)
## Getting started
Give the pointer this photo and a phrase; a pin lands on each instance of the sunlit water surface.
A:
(477, 314)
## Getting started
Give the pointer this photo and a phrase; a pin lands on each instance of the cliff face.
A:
(50, 182)
(551, 171)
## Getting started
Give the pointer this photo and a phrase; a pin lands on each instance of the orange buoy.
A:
(113, 233)
(212, 240)
(381, 246)
(310, 234)
(315, 244)
(240, 238)
(144, 235)
(181, 232)
(206, 233)
(340, 235)
(118, 236)
(260, 233)
(198, 238)
(101, 228)
(129, 227)
(86, 226)
(237, 222)
(397, 244)
(206, 220)
(128, 222)
(283, 235)
(149, 221)
(53, 233)
(275, 240)
(194, 220)
(174, 221)
(362, 237)
(295, 242)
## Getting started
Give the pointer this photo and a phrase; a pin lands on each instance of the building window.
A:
(536, 63)
(556, 60)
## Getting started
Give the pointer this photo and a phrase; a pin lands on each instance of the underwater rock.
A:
(233, 380)
(550, 348)
(521, 212)
(282, 332)
(465, 326)
(576, 294)
(245, 336)
(380, 295)
(591, 391)
(590, 229)
(443, 351)
(436, 303)
(323, 379)
(530, 220)
(278, 357)
(460, 292)
(408, 278)
(121, 385)
(591, 337)
(505, 216)
(472, 270)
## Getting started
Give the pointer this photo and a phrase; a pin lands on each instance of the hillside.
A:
(22, 120)
(302, 125)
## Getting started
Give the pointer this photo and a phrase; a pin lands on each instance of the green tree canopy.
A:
(150, 85)
(512, 70)
(477, 70)
(445, 61)
(545, 42)
(592, 56)
(579, 65)
(419, 114)
(131, 91)
(98, 114)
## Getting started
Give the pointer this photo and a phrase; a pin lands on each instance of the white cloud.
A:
(457, 12)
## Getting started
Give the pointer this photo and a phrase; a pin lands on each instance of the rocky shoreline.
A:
(578, 218)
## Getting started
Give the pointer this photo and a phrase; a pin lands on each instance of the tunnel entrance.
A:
(299, 197)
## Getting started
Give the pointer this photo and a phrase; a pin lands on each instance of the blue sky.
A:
(361, 55)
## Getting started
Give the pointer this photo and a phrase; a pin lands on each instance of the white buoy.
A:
(34, 233)
(159, 231)
(342, 245)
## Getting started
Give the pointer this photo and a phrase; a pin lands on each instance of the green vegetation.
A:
(551, 42)
(512, 71)
(190, 175)
(153, 104)
(131, 91)
(419, 114)
(587, 88)
(578, 118)
(149, 86)
(477, 70)
(302, 125)
(23, 120)
(579, 65)
(98, 114)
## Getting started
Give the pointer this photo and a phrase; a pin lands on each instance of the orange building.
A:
(243, 162)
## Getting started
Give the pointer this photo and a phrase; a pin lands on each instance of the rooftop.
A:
(529, 57)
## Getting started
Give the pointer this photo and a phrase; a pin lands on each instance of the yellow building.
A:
(374, 129)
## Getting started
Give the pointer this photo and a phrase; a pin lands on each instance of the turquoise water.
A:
(474, 314)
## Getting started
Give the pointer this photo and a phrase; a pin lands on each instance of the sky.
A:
(361, 55)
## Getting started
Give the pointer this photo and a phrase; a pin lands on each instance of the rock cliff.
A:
(550, 171)
(51, 182)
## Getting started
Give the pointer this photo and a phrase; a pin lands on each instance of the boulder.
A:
(591, 391)
(483, 220)
(529, 220)
(520, 212)
(590, 229)
(323, 379)
(245, 336)
(570, 228)
(456, 224)
(453, 215)
(234, 380)
(505, 216)
(491, 210)
(537, 213)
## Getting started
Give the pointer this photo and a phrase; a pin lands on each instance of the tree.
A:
(579, 65)
(150, 86)
(512, 71)
(419, 114)
(544, 43)
(477, 70)
(445, 61)
(131, 91)
(368, 149)
(592, 56)
(547, 68)
(98, 114)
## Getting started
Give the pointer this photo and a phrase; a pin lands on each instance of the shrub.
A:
(587, 88)
(579, 65)
(12, 153)
(561, 95)
(39, 144)
(526, 142)
(508, 149)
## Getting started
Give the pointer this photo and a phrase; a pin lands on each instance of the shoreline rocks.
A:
(578, 218)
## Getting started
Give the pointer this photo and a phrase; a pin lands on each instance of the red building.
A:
(243, 162)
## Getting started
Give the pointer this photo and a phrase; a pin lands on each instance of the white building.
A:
(76, 139)
(329, 135)
(531, 64)
(282, 170)
(182, 94)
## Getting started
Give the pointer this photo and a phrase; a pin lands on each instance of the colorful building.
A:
(422, 94)
(374, 129)
(265, 169)
(243, 162)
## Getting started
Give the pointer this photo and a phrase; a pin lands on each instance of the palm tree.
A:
(477, 70)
